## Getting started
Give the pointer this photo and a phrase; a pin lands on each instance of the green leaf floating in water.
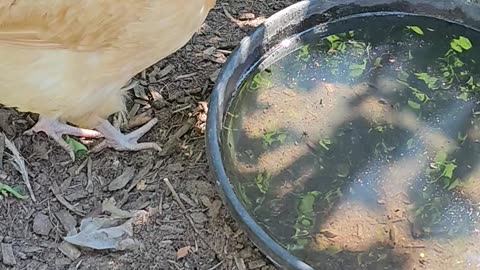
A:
(336, 44)
(461, 138)
(430, 81)
(410, 55)
(461, 44)
(465, 43)
(325, 143)
(455, 184)
(333, 38)
(470, 81)
(262, 80)
(463, 96)
(414, 105)
(343, 170)
(305, 206)
(243, 195)
(356, 70)
(263, 181)
(270, 138)
(403, 76)
(5, 190)
(304, 54)
(79, 149)
(304, 222)
(416, 29)
(456, 47)
(441, 157)
(448, 171)
(421, 96)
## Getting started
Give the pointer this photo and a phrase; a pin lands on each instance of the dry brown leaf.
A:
(183, 252)
(140, 119)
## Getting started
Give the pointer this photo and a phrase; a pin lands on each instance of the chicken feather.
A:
(68, 60)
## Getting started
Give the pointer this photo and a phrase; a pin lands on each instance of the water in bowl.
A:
(355, 145)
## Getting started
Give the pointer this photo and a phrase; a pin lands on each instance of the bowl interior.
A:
(251, 57)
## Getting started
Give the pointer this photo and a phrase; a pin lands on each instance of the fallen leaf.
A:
(5, 190)
(78, 148)
(96, 233)
(140, 119)
(121, 181)
(109, 206)
(69, 250)
(416, 29)
(183, 252)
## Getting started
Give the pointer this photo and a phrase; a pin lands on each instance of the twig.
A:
(19, 164)
(2, 149)
(89, 187)
(174, 264)
(216, 266)
(239, 263)
(160, 204)
(140, 175)
(133, 111)
(169, 146)
(182, 109)
(56, 191)
(181, 77)
(414, 246)
(180, 203)
(229, 15)
(175, 194)
(80, 168)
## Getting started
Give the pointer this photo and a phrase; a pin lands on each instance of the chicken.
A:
(68, 60)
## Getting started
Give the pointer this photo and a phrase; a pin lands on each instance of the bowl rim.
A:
(267, 245)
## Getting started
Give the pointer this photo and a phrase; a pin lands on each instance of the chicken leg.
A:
(55, 130)
(125, 142)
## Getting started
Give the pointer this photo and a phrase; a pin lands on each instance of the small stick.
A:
(80, 168)
(89, 176)
(229, 15)
(160, 204)
(169, 146)
(140, 175)
(2, 149)
(56, 191)
(182, 109)
(216, 266)
(180, 203)
(175, 195)
(19, 164)
(174, 264)
(181, 77)
(413, 246)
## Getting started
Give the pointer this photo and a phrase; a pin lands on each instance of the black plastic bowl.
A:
(290, 21)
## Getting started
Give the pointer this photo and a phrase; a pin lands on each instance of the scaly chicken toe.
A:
(125, 142)
(55, 130)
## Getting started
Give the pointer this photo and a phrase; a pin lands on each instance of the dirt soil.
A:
(204, 236)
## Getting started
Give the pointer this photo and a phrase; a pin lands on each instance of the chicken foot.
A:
(125, 142)
(55, 130)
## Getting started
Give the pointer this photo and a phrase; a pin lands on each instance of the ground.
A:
(30, 233)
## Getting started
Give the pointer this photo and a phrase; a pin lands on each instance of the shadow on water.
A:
(278, 210)
(363, 166)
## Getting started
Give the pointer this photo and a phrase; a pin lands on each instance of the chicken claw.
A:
(124, 142)
(55, 130)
